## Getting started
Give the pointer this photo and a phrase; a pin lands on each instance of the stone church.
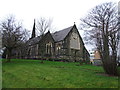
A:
(66, 45)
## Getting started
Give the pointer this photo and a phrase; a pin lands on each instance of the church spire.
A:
(33, 31)
(74, 23)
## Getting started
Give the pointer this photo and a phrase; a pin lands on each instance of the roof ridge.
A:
(62, 29)
(60, 35)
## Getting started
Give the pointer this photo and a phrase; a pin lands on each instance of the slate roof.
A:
(57, 36)
(34, 40)
(60, 35)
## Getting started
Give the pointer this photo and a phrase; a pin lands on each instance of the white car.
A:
(118, 63)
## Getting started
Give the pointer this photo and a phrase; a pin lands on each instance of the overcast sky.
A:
(63, 12)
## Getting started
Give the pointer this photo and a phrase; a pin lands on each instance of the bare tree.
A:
(12, 35)
(44, 25)
(103, 25)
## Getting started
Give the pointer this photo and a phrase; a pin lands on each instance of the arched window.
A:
(49, 48)
(58, 50)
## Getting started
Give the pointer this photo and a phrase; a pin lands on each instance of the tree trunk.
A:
(109, 63)
(9, 55)
(114, 70)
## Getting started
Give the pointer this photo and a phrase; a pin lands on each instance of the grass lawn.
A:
(33, 74)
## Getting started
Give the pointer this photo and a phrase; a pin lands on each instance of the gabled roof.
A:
(34, 40)
(57, 36)
(60, 35)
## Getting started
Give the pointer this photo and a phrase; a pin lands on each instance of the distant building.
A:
(95, 58)
(65, 44)
(97, 55)
(91, 55)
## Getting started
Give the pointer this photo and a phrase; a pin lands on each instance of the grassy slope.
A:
(32, 74)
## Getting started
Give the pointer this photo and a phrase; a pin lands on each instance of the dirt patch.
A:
(104, 74)
(59, 67)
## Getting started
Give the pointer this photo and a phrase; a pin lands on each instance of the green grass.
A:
(33, 74)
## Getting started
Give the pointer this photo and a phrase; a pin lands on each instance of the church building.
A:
(66, 45)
